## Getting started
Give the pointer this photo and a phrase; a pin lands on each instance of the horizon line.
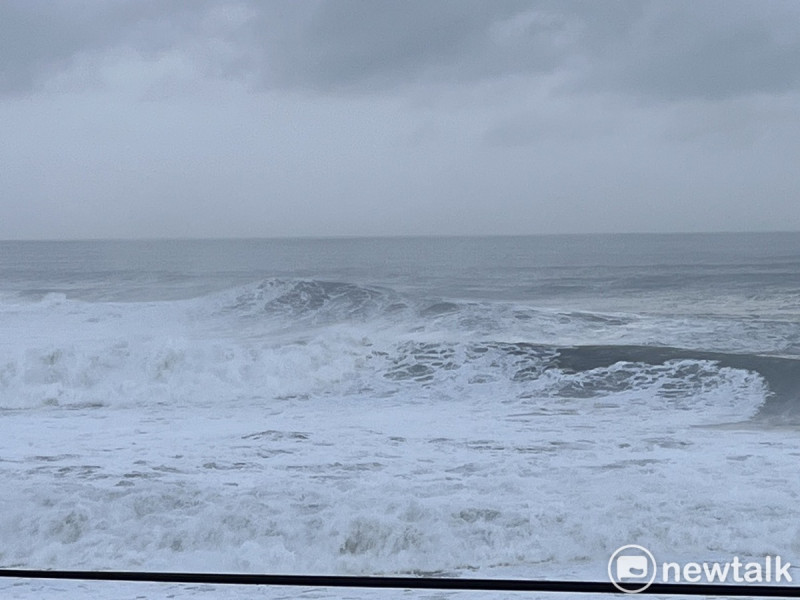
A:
(346, 237)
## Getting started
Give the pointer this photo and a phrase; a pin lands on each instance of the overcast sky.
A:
(163, 118)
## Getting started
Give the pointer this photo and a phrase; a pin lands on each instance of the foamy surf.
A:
(323, 425)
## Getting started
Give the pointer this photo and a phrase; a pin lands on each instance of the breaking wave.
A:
(308, 338)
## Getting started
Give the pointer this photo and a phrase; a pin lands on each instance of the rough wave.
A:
(781, 374)
(353, 420)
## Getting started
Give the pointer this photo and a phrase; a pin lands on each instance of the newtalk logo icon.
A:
(632, 565)
(632, 569)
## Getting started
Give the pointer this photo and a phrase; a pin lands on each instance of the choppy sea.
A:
(460, 407)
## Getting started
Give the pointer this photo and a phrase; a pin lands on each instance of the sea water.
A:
(458, 407)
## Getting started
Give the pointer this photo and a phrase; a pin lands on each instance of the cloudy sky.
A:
(153, 118)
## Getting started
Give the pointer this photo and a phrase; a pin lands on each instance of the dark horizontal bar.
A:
(429, 583)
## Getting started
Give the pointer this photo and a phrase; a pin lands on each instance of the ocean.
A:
(457, 407)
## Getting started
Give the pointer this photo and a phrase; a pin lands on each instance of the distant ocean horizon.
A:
(389, 236)
(498, 406)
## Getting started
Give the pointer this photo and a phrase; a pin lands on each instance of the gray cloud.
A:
(712, 50)
(356, 45)
(242, 117)
(40, 38)
(656, 50)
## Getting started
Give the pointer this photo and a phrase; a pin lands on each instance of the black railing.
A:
(420, 583)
